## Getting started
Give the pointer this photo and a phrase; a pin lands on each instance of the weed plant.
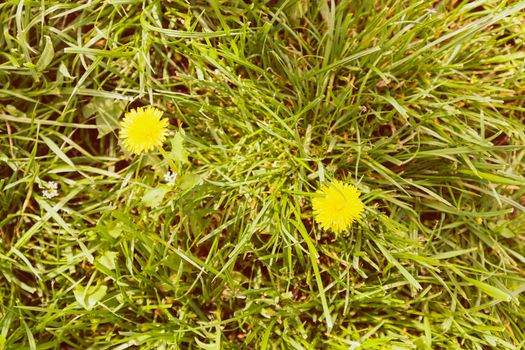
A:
(211, 242)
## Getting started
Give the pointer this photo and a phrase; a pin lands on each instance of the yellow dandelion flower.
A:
(337, 206)
(143, 129)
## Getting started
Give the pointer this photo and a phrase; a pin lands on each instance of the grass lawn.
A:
(211, 241)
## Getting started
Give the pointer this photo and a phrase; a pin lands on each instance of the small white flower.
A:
(170, 178)
(50, 189)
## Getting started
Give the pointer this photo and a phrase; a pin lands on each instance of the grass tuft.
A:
(418, 104)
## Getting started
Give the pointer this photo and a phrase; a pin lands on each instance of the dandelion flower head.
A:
(337, 206)
(143, 129)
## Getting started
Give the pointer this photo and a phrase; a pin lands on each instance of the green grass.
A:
(419, 104)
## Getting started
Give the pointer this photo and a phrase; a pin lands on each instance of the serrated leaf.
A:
(154, 196)
(46, 56)
(108, 260)
(89, 297)
(189, 181)
(178, 153)
(107, 112)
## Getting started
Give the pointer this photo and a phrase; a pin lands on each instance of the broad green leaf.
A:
(108, 260)
(89, 297)
(189, 181)
(95, 294)
(80, 295)
(47, 55)
(178, 153)
(107, 112)
(115, 231)
(154, 196)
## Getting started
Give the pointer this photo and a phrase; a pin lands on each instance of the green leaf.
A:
(314, 255)
(56, 149)
(107, 111)
(495, 178)
(207, 346)
(490, 290)
(47, 55)
(453, 253)
(178, 153)
(115, 231)
(63, 70)
(108, 260)
(422, 344)
(154, 196)
(400, 267)
(189, 181)
(123, 2)
(266, 336)
(89, 297)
